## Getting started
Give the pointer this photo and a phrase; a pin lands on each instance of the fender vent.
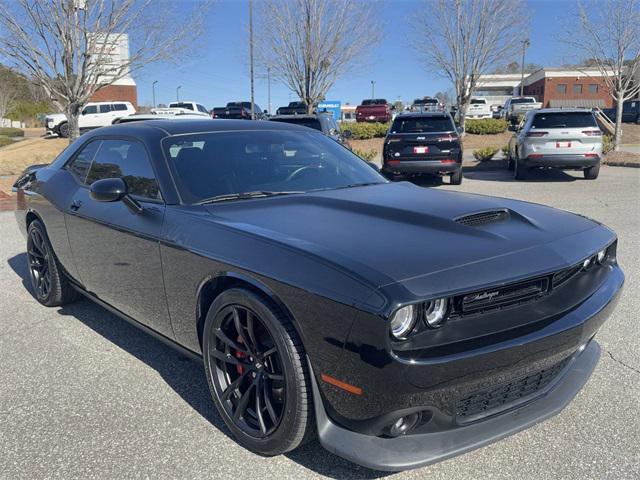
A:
(482, 218)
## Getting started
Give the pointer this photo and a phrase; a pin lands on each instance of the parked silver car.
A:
(567, 139)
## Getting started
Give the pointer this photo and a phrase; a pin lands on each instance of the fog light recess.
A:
(403, 425)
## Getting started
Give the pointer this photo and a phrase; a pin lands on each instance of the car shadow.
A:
(185, 376)
(533, 176)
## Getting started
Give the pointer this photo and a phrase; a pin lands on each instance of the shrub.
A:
(4, 141)
(486, 126)
(368, 155)
(485, 154)
(12, 132)
(364, 131)
(607, 143)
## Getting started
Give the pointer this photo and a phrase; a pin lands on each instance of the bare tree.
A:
(67, 46)
(462, 39)
(7, 98)
(309, 44)
(609, 36)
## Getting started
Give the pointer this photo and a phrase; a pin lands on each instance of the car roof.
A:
(304, 115)
(423, 114)
(186, 126)
(108, 102)
(563, 110)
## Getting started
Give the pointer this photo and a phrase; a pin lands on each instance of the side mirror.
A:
(113, 190)
(346, 133)
(108, 190)
(460, 130)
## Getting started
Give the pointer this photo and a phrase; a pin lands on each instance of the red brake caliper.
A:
(238, 354)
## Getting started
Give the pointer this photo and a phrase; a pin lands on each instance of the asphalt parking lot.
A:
(85, 395)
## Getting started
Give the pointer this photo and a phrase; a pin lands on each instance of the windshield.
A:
(207, 165)
(426, 101)
(305, 122)
(422, 125)
(478, 101)
(523, 100)
(187, 106)
(564, 120)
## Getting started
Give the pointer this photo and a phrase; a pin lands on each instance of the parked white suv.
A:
(174, 108)
(479, 108)
(94, 115)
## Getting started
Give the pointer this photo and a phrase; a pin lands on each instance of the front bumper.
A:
(430, 167)
(566, 341)
(568, 161)
(415, 451)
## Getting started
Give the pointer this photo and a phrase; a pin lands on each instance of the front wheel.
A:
(64, 130)
(50, 285)
(592, 173)
(256, 370)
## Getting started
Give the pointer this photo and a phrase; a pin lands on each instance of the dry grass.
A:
(15, 158)
(622, 159)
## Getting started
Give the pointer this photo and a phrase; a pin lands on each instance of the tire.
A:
(456, 177)
(50, 285)
(281, 377)
(63, 130)
(519, 173)
(510, 165)
(592, 173)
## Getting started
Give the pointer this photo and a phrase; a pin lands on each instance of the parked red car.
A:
(374, 110)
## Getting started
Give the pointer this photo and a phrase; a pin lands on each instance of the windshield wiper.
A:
(244, 196)
(353, 185)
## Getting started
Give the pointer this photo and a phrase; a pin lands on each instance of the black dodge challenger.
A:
(401, 325)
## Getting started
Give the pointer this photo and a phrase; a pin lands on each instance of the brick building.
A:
(560, 87)
(124, 89)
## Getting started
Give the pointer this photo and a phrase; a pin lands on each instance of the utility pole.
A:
(373, 91)
(153, 87)
(525, 45)
(269, 89)
(253, 114)
(178, 92)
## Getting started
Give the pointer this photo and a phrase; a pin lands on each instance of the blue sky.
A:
(219, 72)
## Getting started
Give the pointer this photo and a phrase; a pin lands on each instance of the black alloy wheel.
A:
(257, 372)
(50, 284)
(249, 375)
(39, 258)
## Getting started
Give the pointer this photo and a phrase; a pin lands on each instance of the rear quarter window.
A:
(564, 120)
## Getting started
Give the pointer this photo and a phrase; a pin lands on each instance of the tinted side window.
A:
(90, 109)
(201, 108)
(105, 108)
(119, 106)
(79, 166)
(129, 161)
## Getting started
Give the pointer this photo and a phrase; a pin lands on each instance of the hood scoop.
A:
(482, 218)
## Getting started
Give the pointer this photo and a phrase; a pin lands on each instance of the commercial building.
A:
(113, 52)
(497, 88)
(561, 87)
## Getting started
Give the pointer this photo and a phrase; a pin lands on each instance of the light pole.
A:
(153, 87)
(178, 92)
(269, 89)
(525, 45)
(253, 114)
(373, 90)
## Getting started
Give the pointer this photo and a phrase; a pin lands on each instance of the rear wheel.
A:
(256, 370)
(456, 177)
(592, 173)
(63, 129)
(50, 286)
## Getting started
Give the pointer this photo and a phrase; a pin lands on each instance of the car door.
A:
(116, 251)
(89, 117)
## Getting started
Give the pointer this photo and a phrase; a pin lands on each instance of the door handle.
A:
(75, 205)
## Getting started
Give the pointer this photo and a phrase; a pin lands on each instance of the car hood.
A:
(398, 232)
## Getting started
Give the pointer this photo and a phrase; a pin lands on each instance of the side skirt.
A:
(167, 341)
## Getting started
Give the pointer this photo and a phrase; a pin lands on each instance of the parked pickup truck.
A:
(426, 104)
(374, 110)
(630, 112)
(239, 110)
(175, 108)
(294, 108)
(479, 108)
(515, 107)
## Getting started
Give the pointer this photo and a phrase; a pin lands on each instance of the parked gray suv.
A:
(567, 139)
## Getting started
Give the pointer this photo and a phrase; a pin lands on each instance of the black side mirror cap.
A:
(108, 190)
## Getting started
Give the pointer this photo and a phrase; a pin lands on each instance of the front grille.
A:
(482, 218)
(565, 275)
(486, 402)
(502, 296)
